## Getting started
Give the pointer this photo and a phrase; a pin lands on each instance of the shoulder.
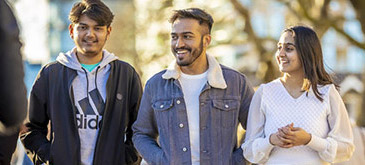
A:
(272, 85)
(229, 71)
(231, 74)
(51, 67)
(122, 64)
(121, 68)
(327, 89)
(156, 78)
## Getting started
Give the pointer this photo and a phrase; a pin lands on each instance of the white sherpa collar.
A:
(215, 74)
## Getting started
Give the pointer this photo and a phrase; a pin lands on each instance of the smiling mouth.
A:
(283, 61)
(89, 42)
(180, 53)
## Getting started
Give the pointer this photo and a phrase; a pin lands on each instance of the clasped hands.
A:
(290, 136)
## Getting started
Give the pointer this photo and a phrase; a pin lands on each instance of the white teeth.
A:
(182, 51)
(284, 61)
(89, 41)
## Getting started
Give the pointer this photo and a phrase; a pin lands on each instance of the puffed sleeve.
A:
(256, 147)
(338, 146)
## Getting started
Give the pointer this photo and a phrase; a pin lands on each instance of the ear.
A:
(71, 30)
(108, 31)
(206, 40)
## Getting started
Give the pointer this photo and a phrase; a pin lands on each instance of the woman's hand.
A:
(276, 140)
(295, 136)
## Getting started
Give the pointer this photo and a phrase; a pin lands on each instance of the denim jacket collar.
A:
(215, 75)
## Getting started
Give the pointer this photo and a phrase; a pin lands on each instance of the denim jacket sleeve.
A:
(247, 93)
(146, 131)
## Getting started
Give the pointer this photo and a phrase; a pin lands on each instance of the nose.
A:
(179, 43)
(281, 52)
(90, 33)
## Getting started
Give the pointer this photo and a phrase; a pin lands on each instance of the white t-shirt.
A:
(191, 86)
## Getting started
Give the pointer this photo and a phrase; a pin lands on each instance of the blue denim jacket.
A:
(161, 132)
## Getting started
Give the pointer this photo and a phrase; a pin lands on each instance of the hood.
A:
(69, 59)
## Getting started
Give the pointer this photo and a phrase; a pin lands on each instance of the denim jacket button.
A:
(204, 127)
(161, 106)
(184, 149)
(226, 106)
(178, 101)
(181, 125)
(205, 151)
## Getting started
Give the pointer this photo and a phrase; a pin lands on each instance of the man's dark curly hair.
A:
(94, 9)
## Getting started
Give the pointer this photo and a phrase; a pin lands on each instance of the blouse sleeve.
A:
(338, 146)
(256, 147)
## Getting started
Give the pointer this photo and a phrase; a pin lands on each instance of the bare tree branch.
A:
(248, 26)
(324, 21)
(359, 6)
(265, 55)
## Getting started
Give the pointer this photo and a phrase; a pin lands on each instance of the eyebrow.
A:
(80, 23)
(288, 43)
(83, 24)
(183, 33)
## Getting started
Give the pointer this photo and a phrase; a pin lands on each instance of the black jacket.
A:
(13, 100)
(51, 100)
(13, 96)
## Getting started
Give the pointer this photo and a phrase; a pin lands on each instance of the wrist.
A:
(270, 139)
(309, 139)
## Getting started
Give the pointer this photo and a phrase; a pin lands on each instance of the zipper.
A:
(70, 93)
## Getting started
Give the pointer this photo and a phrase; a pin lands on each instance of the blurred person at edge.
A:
(89, 97)
(300, 117)
(195, 105)
(13, 101)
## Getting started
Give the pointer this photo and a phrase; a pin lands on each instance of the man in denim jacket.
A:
(194, 107)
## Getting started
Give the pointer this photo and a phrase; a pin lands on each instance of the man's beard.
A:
(194, 55)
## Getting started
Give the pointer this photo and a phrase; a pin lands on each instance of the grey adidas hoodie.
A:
(89, 91)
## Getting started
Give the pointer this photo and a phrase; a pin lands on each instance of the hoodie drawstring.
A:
(96, 76)
(87, 81)
(87, 84)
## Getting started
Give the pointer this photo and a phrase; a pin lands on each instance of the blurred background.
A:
(244, 37)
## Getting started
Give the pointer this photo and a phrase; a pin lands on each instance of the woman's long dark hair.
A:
(310, 54)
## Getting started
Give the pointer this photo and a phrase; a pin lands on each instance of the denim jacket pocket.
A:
(162, 105)
(162, 112)
(228, 110)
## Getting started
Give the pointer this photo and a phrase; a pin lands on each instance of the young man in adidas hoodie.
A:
(87, 97)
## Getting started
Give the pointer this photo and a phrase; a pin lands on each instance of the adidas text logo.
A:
(88, 121)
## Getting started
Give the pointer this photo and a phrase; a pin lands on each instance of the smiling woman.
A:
(300, 116)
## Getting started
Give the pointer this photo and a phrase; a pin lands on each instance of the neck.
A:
(199, 66)
(89, 59)
(293, 80)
